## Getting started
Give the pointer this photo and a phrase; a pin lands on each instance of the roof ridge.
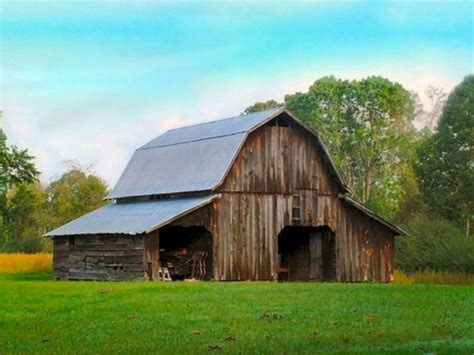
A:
(191, 141)
(226, 118)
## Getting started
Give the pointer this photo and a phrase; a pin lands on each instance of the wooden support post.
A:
(315, 257)
(152, 256)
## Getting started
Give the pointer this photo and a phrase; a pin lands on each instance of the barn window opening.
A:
(186, 252)
(72, 240)
(306, 254)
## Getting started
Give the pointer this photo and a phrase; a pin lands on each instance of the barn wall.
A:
(280, 179)
(105, 257)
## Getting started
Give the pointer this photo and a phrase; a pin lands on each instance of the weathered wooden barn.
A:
(254, 197)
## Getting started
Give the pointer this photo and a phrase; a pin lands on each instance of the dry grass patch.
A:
(433, 277)
(17, 262)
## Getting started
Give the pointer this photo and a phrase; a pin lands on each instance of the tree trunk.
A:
(367, 185)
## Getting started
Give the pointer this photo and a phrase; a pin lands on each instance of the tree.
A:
(261, 106)
(446, 159)
(32, 210)
(28, 219)
(77, 192)
(16, 167)
(367, 126)
(428, 118)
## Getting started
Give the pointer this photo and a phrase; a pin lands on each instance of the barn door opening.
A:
(186, 252)
(306, 254)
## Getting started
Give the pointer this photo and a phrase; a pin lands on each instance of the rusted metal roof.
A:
(132, 217)
(193, 158)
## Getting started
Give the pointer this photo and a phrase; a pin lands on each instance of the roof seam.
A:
(276, 109)
(192, 141)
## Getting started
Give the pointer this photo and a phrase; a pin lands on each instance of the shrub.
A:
(434, 244)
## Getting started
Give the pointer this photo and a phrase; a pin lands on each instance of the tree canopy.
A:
(16, 165)
(261, 106)
(75, 193)
(367, 126)
(446, 159)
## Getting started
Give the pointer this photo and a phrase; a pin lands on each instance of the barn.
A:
(252, 197)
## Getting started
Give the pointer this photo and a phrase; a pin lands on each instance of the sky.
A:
(91, 81)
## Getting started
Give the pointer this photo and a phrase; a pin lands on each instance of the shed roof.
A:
(132, 217)
(396, 230)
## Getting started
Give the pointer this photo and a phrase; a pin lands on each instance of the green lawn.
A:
(38, 314)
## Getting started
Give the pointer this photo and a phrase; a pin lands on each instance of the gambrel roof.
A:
(195, 158)
(155, 187)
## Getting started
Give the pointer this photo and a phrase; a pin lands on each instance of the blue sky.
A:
(92, 81)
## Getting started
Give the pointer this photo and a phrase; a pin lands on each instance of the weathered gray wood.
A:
(105, 258)
(316, 257)
(152, 255)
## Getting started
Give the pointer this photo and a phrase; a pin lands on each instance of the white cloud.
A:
(108, 137)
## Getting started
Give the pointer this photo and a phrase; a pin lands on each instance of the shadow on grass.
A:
(26, 276)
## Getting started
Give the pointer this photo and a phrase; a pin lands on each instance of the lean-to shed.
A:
(252, 197)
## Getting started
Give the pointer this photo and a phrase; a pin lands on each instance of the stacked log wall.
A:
(98, 257)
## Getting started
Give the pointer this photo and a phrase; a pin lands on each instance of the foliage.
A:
(32, 210)
(16, 165)
(367, 126)
(14, 263)
(434, 244)
(428, 118)
(246, 318)
(261, 106)
(75, 193)
(27, 208)
(446, 160)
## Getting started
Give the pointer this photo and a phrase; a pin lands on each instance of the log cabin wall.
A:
(278, 179)
(98, 257)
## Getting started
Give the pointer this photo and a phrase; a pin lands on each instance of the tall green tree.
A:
(367, 126)
(446, 159)
(75, 193)
(16, 167)
(29, 218)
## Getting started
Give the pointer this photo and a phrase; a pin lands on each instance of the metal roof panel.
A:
(212, 129)
(192, 166)
(132, 217)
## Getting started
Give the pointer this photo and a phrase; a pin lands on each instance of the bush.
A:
(434, 244)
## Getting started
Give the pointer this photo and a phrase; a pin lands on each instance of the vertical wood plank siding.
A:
(279, 178)
(275, 165)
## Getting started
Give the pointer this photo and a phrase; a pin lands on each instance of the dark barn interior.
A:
(307, 253)
(186, 252)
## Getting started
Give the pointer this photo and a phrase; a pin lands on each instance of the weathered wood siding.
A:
(279, 179)
(104, 257)
(151, 255)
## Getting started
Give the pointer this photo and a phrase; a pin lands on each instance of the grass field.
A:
(38, 314)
